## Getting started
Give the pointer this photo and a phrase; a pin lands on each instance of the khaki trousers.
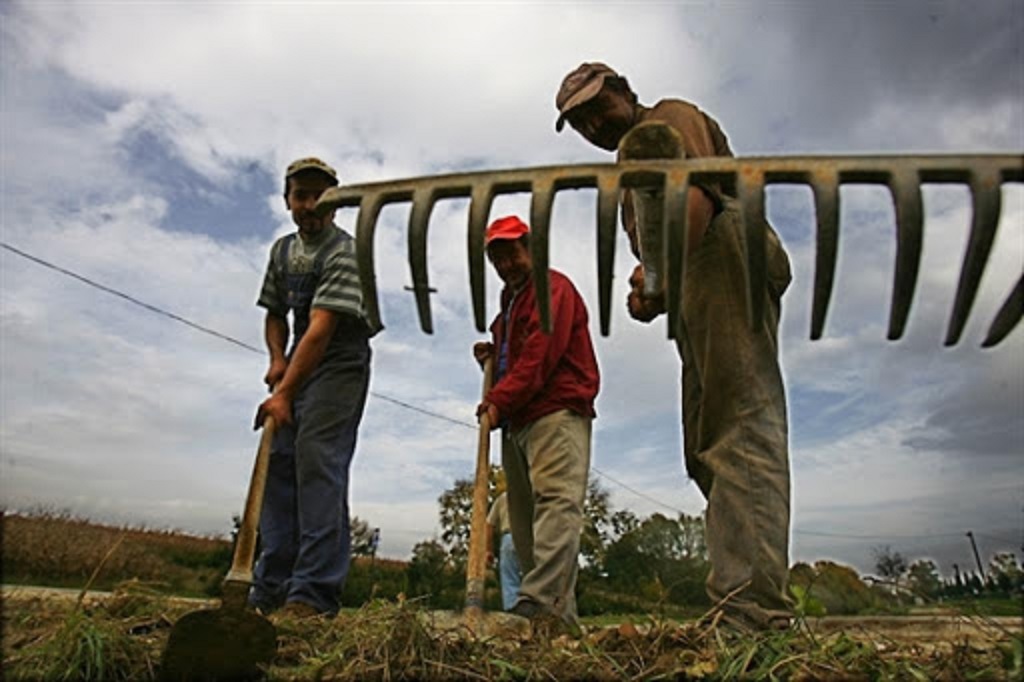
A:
(734, 422)
(546, 465)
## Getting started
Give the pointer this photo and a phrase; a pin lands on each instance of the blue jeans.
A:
(304, 525)
(508, 567)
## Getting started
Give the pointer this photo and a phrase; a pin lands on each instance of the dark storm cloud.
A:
(842, 75)
(985, 418)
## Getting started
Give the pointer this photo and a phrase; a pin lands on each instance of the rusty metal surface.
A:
(984, 175)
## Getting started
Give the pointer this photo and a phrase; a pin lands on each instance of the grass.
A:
(122, 638)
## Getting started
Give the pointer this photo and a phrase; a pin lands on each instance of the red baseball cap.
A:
(509, 227)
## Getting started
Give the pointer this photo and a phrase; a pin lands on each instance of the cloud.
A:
(157, 172)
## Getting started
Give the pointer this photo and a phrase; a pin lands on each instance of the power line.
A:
(875, 537)
(130, 299)
(396, 401)
(206, 330)
(194, 325)
(636, 492)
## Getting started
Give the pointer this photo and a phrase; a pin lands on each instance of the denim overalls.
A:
(304, 527)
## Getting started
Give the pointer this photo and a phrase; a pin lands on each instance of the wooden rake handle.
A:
(477, 560)
(245, 546)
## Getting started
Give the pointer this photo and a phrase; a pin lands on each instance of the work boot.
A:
(527, 608)
(544, 623)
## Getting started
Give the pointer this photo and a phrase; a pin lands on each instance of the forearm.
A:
(309, 352)
(275, 332)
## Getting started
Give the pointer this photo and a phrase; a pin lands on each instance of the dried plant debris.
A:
(121, 638)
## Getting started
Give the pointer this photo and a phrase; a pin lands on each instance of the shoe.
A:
(524, 608)
(544, 623)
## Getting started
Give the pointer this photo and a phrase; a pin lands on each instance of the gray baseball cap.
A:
(310, 163)
(581, 85)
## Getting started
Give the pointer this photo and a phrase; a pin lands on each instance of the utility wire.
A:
(206, 330)
(131, 299)
(876, 537)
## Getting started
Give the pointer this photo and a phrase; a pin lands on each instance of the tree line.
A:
(655, 564)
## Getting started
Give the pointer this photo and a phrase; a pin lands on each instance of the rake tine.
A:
(540, 227)
(905, 187)
(607, 211)
(675, 237)
(750, 192)
(479, 210)
(366, 226)
(986, 192)
(825, 185)
(419, 219)
(1007, 317)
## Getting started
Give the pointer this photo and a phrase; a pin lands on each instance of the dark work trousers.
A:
(304, 526)
(734, 422)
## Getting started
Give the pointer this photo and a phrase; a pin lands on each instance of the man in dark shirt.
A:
(734, 404)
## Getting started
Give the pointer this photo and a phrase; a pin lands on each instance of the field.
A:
(70, 634)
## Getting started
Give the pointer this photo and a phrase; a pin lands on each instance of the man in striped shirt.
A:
(319, 389)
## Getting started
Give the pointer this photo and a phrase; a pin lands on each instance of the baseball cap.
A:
(579, 86)
(509, 227)
(310, 163)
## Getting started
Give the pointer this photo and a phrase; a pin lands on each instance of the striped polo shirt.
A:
(338, 288)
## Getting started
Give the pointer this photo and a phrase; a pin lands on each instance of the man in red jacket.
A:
(543, 397)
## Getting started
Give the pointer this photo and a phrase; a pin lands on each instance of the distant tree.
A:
(693, 544)
(362, 535)
(890, 565)
(1006, 573)
(430, 570)
(624, 521)
(456, 515)
(661, 558)
(456, 510)
(923, 579)
(597, 522)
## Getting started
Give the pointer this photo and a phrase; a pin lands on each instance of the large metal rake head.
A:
(669, 179)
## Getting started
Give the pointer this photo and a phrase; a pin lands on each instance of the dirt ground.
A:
(943, 645)
(932, 629)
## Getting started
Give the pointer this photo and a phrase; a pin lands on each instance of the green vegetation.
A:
(653, 566)
(123, 637)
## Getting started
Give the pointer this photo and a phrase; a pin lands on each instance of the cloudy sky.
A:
(142, 148)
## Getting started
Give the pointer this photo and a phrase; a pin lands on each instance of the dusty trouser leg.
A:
(519, 499)
(734, 418)
(556, 448)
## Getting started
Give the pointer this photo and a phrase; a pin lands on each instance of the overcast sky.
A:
(143, 146)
